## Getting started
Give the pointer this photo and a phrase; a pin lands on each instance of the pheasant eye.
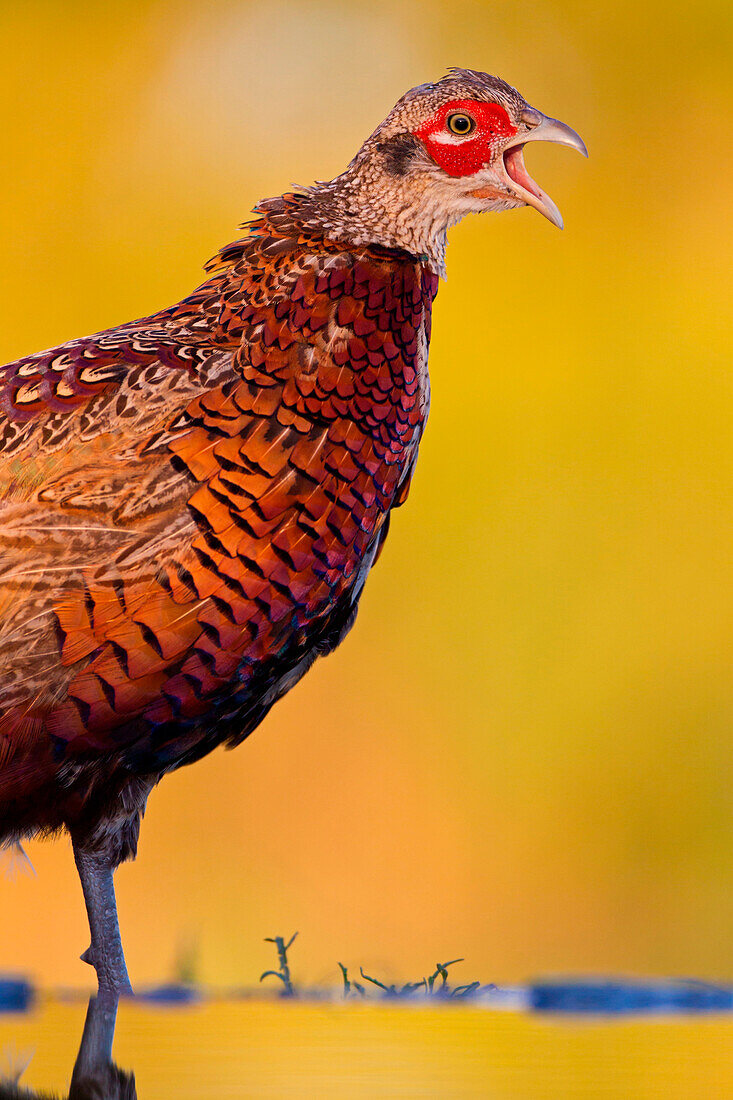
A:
(460, 124)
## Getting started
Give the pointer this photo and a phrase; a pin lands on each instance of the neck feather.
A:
(367, 205)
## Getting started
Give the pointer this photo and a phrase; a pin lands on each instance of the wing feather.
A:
(186, 501)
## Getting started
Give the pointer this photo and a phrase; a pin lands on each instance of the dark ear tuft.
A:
(399, 152)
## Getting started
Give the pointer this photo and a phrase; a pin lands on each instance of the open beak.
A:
(519, 181)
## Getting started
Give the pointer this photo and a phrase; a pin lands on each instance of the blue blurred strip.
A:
(16, 995)
(614, 997)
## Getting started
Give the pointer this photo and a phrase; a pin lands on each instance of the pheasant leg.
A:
(105, 953)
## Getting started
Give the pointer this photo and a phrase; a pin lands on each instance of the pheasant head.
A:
(444, 150)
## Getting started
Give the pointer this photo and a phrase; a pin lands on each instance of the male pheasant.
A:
(190, 503)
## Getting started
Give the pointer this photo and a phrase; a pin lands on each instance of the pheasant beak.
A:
(518, 180)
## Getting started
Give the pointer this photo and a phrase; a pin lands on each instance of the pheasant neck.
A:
(368, 208)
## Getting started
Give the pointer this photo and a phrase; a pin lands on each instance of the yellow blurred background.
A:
(522, 754)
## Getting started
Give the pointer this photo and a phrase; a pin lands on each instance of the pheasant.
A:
(190, 503)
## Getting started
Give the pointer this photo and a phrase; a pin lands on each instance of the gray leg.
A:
(105, 953)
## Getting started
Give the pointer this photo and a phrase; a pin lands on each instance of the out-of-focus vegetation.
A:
(434, 985)
(524, 746)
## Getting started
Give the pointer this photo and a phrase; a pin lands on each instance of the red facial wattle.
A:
(464, 156)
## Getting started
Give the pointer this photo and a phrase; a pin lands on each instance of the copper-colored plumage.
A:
(190, 503)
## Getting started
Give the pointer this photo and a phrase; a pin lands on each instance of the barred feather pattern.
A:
(189, 507)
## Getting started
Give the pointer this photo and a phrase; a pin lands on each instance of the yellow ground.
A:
(256, 1049)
